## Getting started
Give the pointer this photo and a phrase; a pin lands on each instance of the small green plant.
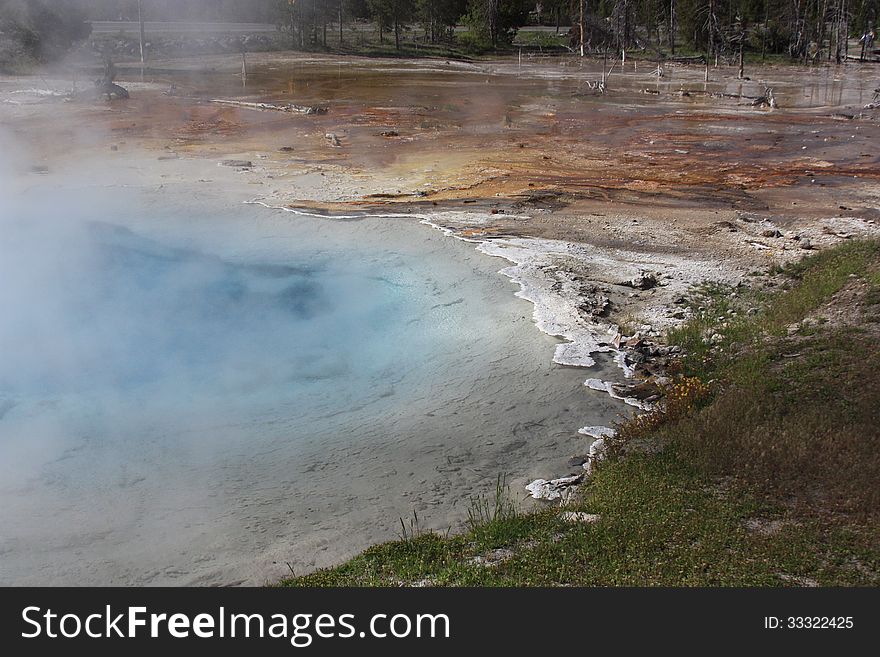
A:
(411, 532)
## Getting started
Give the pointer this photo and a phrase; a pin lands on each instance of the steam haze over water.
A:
(194, 391)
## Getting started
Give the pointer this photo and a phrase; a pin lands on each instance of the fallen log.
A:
(856, 58)
(767, 100)
(286, 107)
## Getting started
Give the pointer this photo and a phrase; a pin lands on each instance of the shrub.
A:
(38, 31)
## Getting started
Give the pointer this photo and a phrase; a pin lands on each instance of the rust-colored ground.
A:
(660, 170)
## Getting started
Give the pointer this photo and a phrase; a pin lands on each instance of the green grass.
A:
(769, 481)
(797, 414)
(661, 524)
(408, 49)
(725, 312)
(542, 39)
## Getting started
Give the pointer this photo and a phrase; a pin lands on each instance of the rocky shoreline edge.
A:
(573, 307)
(576, 290)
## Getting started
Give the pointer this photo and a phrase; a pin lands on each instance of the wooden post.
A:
(143, 36)
(604, 64)
(243, 68)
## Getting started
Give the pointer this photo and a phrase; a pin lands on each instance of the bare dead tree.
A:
(142, 34)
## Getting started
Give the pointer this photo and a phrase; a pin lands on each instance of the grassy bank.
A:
(762, 469)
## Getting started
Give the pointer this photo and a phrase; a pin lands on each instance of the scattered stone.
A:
(577, 461)
(237, 164)
(596, 432)
(420, 583)
(640, 391)
(389, 133)
(493, 557)
(333, 139)
(726, 225)
(764, 527)
(805, 243)
(635, 358)
(579, 516)
(286, 149)
(799, 581)
(598, 451)
(542, 489)
(774, 232)
(595, 303)
(644, 281)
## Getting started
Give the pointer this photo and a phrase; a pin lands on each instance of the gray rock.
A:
(644, 281)
(554, 489)
(579, 516)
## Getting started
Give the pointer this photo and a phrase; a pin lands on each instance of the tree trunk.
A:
(581, 24)
(820, 28)
(764, 32)
(604, 64)
(709, 43)
(396, 34)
